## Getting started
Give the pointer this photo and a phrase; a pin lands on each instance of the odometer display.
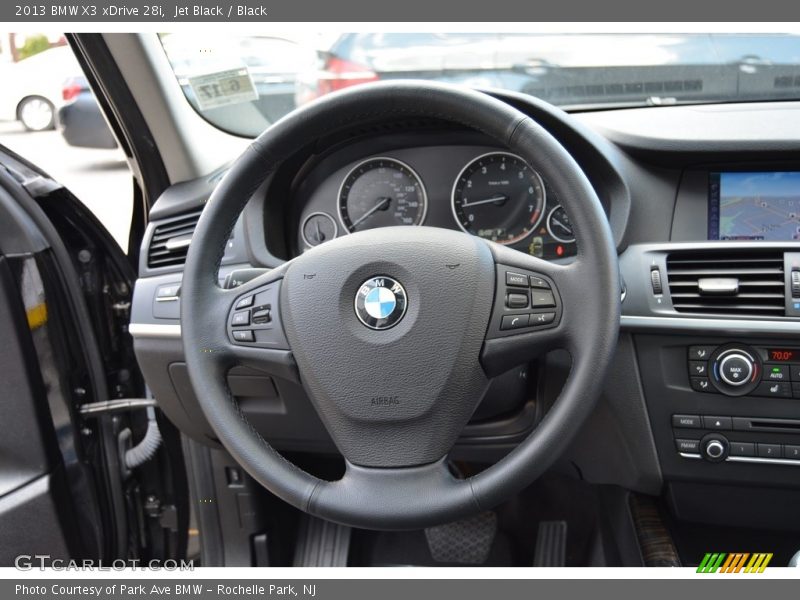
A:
(381, 192)
(499, 197)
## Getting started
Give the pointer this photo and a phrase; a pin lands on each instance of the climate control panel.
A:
(737, 370)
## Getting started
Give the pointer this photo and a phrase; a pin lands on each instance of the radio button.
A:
(688, 446)
(717, 422)
(742, 449)
(686, 421)
(792, 452)
(769, 450)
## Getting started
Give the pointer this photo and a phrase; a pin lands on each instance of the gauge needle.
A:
(498, 198)
(320, 235)
(560, 224)
(379, 205)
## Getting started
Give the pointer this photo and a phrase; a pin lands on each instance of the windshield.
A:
(244, 83)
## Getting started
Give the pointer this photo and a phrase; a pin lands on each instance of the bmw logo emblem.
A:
(380, 302)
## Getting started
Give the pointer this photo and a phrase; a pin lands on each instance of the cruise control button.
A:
(791, 451)
(517, 300)
(769, 450)
(516, 279)
(688, 446)
(514, 322)
(243, 335)
(240, 319)
(742, 449)
(698, 368)
(717, 422)
(538, 282)
(261, 315)
(245, 302)
(700, 384)
(538, 319)
(700, 352)
(686, 421)
(770, 388)
(776, 373)
(542, 299)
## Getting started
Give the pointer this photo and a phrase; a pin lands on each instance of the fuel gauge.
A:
(559, 226)
(317, 228)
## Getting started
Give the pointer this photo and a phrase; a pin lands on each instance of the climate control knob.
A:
(736, 368)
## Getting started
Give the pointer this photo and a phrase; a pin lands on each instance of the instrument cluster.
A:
(487, 192)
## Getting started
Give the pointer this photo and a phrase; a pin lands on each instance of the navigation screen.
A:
(754, 206)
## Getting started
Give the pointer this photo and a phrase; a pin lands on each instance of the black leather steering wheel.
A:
(395, 390)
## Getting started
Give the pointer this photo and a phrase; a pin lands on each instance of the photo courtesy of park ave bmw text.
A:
(359, 299)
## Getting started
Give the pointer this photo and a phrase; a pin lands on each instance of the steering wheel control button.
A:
(241, 319)
(245, 302)
(262, 314)
(688, 446)
(542, 299)
(244, 335)
(698, 368)
(538, 282)
(742, 449)
(539, 319)
(514, 322)
(701, 384)
(769, 451)
(516, 279)
(381, 302)
(735, 369)
(686, 421)
(717, 422)
(517, 301)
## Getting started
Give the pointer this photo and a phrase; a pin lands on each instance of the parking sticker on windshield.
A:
(223, 88)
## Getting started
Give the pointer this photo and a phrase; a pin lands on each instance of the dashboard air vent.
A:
(170, 241)
(727, 282)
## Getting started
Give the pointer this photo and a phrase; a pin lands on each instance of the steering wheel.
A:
(395, 332)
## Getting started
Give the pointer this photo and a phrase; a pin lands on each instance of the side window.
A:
(49, 116)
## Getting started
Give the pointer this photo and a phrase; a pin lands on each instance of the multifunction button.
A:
(524, 302)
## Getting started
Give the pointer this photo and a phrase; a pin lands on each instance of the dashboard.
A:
(482, 190)
(704, 206)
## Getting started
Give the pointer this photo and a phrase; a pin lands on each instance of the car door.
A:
(71, 393)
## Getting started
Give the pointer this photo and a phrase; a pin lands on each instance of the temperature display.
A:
(781, 355)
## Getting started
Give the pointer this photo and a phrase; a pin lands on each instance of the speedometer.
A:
(380, 192)
(499, 197)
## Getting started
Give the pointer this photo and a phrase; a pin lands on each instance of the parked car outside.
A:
(80, 120)
(31, 89)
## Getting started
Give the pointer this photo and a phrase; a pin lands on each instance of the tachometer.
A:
(498, 197)
(380, 192)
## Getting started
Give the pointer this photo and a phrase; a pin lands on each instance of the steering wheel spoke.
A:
(532, 313)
